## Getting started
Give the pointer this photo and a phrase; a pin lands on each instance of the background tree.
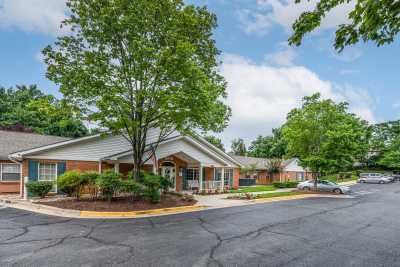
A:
(215, 141)
(26, 108)
(238, 147)
(324, 136)
(391, 157)
(370, 20)
(134, 65)
(268, 146)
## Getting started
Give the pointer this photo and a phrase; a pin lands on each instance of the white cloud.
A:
(284, 57)
(42, 16)
(261, 95)
(285, 12)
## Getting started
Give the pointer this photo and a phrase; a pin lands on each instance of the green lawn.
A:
(278, 194)
(255, 188)
(333, 178)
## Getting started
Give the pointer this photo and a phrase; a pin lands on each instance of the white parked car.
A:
(323, 185)
(375, 178)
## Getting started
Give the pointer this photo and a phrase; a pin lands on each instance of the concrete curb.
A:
(48, 210)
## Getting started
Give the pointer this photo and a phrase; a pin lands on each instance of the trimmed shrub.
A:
(39, 188)
(153, 184)
(71, 183)
(288, 184)
(90, 181)
(131, 187)
(109, 184)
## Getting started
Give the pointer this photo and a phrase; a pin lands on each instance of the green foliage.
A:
(133, 65)
(215, 141)
(39, 188)
(369, 20)
(109, 183)
(129, 186)
(391, 157)
(256, 188)
(288, 184)
(31, 109)
(154, 183)
(268, 146)
(70, 183)
(238, 147)
(324, 136)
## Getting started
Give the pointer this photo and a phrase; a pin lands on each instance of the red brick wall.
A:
(9, 187)
(208, 174)
(236, 176)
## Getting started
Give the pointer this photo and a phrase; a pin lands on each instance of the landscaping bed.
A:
(120, 204)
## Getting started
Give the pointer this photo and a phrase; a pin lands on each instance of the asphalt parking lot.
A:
(362, 229)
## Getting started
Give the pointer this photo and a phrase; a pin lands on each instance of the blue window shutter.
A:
(33, 169)
(61, 167)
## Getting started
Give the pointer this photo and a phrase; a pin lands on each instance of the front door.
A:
(169, 172)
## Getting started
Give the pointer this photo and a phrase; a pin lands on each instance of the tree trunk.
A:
(315, 177)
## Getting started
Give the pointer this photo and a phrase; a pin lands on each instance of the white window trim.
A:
(55, 181)
(12, 181)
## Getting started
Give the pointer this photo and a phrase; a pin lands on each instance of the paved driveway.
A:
(360, 231)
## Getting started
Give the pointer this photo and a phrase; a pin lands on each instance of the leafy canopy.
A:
(370, 20)
(391, 157)
(31, 109)
(324, 136)
(133, 65)
(268, 146)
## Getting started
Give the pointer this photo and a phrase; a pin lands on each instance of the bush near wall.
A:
(39, 188)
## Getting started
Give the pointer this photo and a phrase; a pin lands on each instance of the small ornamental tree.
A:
(134, 65)
(324, 136)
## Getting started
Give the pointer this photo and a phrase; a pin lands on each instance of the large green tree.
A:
(370, 20)
(324, 135)
(238, 147)
(32, 110)
(268, 146)
(137, 65)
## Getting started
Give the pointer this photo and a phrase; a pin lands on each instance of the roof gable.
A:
(11, 142)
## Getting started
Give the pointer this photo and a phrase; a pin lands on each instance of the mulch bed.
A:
(119, 204)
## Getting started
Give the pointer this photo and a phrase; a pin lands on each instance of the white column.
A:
(25, 189)
(21, 181)
(222, 179)
(116, 167)
(201, 177)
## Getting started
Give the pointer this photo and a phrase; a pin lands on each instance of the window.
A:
(217, 174)
(192, 174)
(10, 172)
(228, 177)
(47, 172)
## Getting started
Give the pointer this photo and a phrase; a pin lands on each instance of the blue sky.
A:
(266, 77)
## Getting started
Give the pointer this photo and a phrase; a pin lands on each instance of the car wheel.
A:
(306, 188)
(362, 181)
(338, 191)
(381, 182)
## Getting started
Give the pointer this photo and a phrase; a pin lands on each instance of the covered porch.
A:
(185, 172)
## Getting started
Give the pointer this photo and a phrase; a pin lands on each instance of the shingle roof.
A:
(11, 142)
(259, 163)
